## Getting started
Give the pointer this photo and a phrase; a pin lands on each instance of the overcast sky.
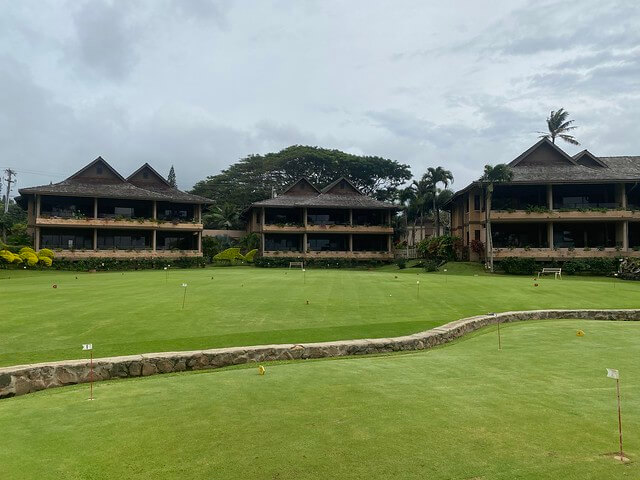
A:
(202, 83)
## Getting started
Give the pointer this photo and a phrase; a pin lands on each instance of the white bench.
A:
(296, 264)
(557, 272)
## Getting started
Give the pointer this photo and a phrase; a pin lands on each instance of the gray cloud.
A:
(202, 83)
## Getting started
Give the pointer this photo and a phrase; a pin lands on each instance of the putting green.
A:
(540, 408)
(141, 312)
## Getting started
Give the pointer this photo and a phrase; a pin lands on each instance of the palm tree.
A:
(433, 177)
(405, 196)
(420, 200)
(558, 126)
(492, 175)
(226, 216)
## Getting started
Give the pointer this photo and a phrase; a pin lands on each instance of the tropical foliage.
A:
(559, 126)
(441, 248)
(492, 174)
(253, 178)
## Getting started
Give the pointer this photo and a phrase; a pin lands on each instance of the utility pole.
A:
(9, 179)
(9, 174)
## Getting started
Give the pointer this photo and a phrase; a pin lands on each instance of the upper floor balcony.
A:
(298, 220)
(114, 213)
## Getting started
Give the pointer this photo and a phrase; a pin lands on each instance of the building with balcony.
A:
(338, 221)
(556, 206)
(96, 212)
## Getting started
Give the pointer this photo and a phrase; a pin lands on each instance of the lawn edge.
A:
(22, 379)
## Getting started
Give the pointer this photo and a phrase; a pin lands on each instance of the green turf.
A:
(138, 312)
(542, 408)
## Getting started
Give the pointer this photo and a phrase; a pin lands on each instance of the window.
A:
(476, 203)
(477, 235)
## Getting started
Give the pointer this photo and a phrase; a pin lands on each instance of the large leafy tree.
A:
(433, 177)
(559, 127)
(226, 217)
(253, 178)
(492, 174)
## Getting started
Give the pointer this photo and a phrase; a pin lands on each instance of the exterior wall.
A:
(23, 379)
(466, 220)
(257, 224)
(36, 224)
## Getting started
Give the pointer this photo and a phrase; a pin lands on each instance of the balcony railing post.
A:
(154, 239)
(550, 234)
(155, 210)
(550, 197)
(95, 239)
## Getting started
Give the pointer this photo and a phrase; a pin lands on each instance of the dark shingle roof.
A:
(118, 187)
(113, 190)
(617, 169)
(325, 200)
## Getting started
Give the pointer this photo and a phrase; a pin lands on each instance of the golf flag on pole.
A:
(613, 373)
(87, 346)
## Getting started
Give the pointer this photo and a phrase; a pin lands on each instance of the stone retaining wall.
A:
(22, 379)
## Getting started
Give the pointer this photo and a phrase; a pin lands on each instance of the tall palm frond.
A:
(558, 126)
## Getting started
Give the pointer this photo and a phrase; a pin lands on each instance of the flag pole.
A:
(91, 375)
(619, 419)
(499, 339)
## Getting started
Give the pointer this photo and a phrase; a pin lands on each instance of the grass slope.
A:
(138, 312)
(541, 408)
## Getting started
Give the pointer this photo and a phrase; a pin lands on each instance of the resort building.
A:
(556, 206)
(336, 222)
(96, 212)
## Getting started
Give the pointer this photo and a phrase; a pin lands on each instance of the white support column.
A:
(623, 196)
(38, 200)
(95, 239)
(95, 207)
(263, 218)
(351, 216)
(351, 242)
(625, 236)
(304, 242)
(262, 244)
(389, 244)
(550, 234)
(200, 242)
(36, 240)
(154, 240)
(199, 213)
(304, 217)
(155, 210)
(550, 197)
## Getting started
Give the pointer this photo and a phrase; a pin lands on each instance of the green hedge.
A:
(583, 266)
(283, 262)
(127, 264)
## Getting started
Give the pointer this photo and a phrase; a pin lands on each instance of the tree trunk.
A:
(436, 215)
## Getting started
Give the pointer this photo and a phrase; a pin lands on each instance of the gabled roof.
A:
(152, 171)
(325, 198)
(335, 183)
(303, 181)
(586, 158)
(97, 161)
(543, 143)
(79, 185)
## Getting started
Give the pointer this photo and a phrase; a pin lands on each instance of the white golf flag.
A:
(184, 284)
(87, 346)
(613, 373)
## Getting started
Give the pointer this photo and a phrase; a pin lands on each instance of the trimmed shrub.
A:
(591, 266)
(518, 266)
(401, 263)
(27, 250)
(229, 255)
(29, 257)
(430, 266)
(45, 252)
(103, 264)
(250, 255)
(283, 262)
(45, 261)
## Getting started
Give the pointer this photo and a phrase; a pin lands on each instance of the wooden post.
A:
(36, 239)
(351, 216)
(550, 234)
(95, 207)
(38, 200)
(351, 242)
(304, 218)
(154, 212)
(625, 236)
(95, 239)
(154, 240)
(550, 197)
(199, 242)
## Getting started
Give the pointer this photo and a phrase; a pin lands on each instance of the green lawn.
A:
(542, 408)
(138, 312)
